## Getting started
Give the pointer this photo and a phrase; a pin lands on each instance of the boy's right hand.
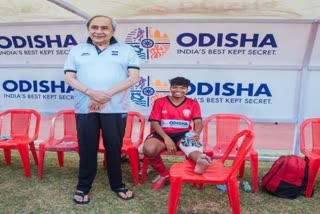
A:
(170, 145)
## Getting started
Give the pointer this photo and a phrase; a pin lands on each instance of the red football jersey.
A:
(172, 118)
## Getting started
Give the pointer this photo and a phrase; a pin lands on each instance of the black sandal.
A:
(124, 190)
(82, 195)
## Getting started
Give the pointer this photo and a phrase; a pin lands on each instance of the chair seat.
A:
(216, 173)
(58, 145)
(178, 153)
(125, 146)
(13, 143)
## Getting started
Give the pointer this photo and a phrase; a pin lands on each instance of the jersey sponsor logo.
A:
(148, 43)
(182, 124)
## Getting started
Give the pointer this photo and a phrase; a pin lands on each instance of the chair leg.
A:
(41, 161)
(241, 170)
(24, 154)
(312, 175)
(133, 156)
(233, 194)
(34, 153)
(174, 194)
(60, 156)
(7, 156)
(145, 166)
(254, 162)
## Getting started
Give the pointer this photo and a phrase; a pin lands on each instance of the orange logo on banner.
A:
(147, 90)
(148, 43)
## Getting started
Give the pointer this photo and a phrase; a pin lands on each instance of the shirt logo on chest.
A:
(186, 112)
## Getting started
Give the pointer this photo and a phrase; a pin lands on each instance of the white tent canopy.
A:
(260, 58)
(72, 10)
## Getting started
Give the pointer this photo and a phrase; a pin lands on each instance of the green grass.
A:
(54, 193)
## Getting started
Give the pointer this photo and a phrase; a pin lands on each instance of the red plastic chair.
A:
(217, 173)
(130, 145)
(146, 162)
(19, 129)
(310, 147)
(219, 130)
(62, 138)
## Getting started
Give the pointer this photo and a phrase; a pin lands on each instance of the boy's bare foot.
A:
(202, 164)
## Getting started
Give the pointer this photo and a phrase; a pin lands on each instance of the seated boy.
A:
(170, 119)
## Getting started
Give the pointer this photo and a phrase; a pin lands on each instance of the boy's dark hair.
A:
(180, 81)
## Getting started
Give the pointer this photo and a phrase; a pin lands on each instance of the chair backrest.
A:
(310, 135)
(24, 123)
(63, 120)
(132, 118)
(222, 128)
(243, 140)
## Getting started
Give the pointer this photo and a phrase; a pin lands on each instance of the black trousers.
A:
(88, 131)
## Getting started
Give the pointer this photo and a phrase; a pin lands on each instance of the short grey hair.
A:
(114, 23)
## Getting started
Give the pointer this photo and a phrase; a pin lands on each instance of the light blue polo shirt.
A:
(101, 70)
